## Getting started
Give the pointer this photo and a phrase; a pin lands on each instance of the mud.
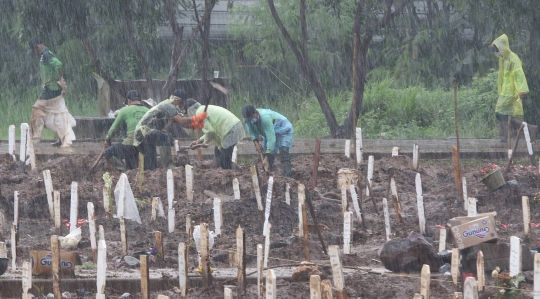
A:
(441, 201)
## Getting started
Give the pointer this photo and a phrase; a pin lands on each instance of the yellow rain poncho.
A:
(511, 80)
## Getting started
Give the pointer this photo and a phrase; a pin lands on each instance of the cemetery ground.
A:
(365, 276)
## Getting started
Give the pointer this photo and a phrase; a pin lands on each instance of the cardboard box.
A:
(469, 231)
(42, 262)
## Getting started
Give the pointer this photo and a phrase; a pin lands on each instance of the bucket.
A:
(347, 177)
(494, 180)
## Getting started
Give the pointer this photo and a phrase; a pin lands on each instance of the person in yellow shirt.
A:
(511, 87)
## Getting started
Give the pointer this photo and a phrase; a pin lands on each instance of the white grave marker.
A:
(471, 207)
(515, 256)
(470, 290)
(527, 138)
(442, 239)
(526, 214)
(271, 292)
(301, 201)
(26, 279)
(13, 248)
(236, 188)
(288, 194)
(348, 148)
(255, 180)
(176, 146)
(260, 265)
(101, 267)
(425, 279)
(74, 211)
(234, 154)
(480, 270)
(92, 228)
(56, 205)
(170, 199)
(337, 270)
(16, 208)
(49, 190)
(359, 145)
(121, 195)
(465, 198)
(315, 287)
(189, 182)
(343, 199)
(371, 161)
(415, 156)
(227, 292)
(268, 203)
(267, 244)
(11, 142)
(218, 218)
(386, 219)
(355, 203)
(395, 151)
(454, 269)
(347, 228)
(420, 204)
(24, 140)
(182, 275)
(537, 276)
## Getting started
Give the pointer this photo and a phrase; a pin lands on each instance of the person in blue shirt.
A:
(276, 132)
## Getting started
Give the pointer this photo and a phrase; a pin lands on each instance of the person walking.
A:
(221, 128)
(129, 115)
(276, 133)
(50, 111)
(511, 88)
(151, 129)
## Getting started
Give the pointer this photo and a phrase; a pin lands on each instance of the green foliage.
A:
(142, 202)
(88, 266)
(508, 286)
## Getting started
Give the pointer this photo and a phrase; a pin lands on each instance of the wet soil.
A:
(441, 201)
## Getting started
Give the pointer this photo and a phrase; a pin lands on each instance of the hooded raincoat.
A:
(510, 81)
(275, 129)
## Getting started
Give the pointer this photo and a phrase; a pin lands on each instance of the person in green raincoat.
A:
(511, 87)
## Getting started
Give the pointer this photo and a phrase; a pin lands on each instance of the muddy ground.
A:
(440, 198)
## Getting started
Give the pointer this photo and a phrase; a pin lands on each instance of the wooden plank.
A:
(47, 179)
(267, 244)
(57, 215)
(386, 220)
(74, 208)
(480, 272)
(256, 188)
(306, 233)
(337, 272)
(315, 287)
(271, 292)
(526, 216)
(425, 279)
(159, 244)
(13, 247)
(442, 239)
(189, 182)
(101, 267)
(205, 256)
(145, 276)
(182, 270)
(260, 265)
(347, 228)
(515, 256)
(218, 217)
(288, 194)
(457, 170)
(536, 275)
(92, 228)
(123, 236)
(268, 203)
(315, 163)
(454, 270)
(241, 260)
(470, 290)
(56, 274)
(236, 188)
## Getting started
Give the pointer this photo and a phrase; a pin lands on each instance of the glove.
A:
(197, 121)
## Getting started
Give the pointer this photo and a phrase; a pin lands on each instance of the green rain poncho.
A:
(511, 80)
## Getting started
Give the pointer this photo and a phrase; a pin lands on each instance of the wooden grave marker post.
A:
(386, 219)
(271, 292)
(241, 260)
(480, 272)
(515, 256)
(416, 154)
(56, 271)
(536, 275)
(13, 247)
(47, 179)
(260, 266)
(267, 244)
(288, 194)
(306, 233)
(145, 277)
(301, 201)
(182, 270)
(218, 216)
(343, 199)
(337, 272)
(189, 182)
(348, 148)
(227, 292)
(92, 228)
(354, 198)
(57, 215)
(24, 146)
(315, 287)
(256, 188)
(11, 141)
(205, 256)
(16, 212)
(74, 208)
(395, 199)
(425, 279)
(101, 268)
(234, 154)
(454, 268)
(526, 216)
(358, 146)
(154, 208)
(470, 289)
(268, 203)
(236, 188)
(106, 200)
(159, 244)
(420, 204)
(465, 194)
(123, 237)
(347, 229)
(442, 239)
(395, 151)
(26, 280)
(371, 161)
(170, 198)
(471, 207)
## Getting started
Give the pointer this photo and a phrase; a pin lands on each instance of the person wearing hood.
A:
(511, 88)
(221, 128)
(130, 116)
(276, 132)
(151, 131)
(50, 111)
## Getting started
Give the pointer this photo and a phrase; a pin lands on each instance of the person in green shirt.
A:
(50, 109)
(130, 116)
(276, 132)
(151, 129)
(221, 128)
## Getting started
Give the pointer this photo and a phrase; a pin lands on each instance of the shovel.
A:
(94, 165)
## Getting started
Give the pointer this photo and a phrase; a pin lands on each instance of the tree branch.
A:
(292, 44)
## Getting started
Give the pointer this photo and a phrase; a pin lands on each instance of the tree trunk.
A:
(97, 68)
(178, 32)
(205, 35)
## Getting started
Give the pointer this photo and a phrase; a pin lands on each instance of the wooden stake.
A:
(465, 198)
(442, 239)
(371, 161)
(92, 228)
(347, 228)
(26, 280)
(13, 248)
(154, 208)
(11, 141)
(101, 268)
(536, 275)
(145, 290)
(255, 179)
(218, 217)
(120, 209)
(471, 207)
(57, 216)
(241, 260)
(101, 235)
(356, 206)
(386, 219)
(415, 156)
(170, 198)
(348, 148)
(140, 173)
(315, 163)
(301, 201)
(182, 270)
(526, 216)
(306, 233)
(49, 190)
(56, 273)
(188, 226)
(288, 194)
(315, 222)
(176, 146)
(358, 149)
(16, 214)
(227, 293)
(424, 281)
(236, 188)
(73, 215)
(470, 290)
(529, 144)
(480, 272)
(337, 272)
(159, 244)
(326, 289)
(234, 154)
(368, 186)
(162, 297)
(260, 265)
(267, 244)
(189, 182)
(271, 292)
(24, 144)
(515, 256)
(343, 199)
(395, 151)
(106, 201)
(205, 256)
(123, 237)
(268, 203)
(420, 204)
(395, 200)
(2, 223)
(315, 287)
(454, 270)
(457, 170)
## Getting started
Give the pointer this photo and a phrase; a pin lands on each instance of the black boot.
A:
(57, 143)
(503, 135)
(286, 161)
(166, 157)
(119, 164)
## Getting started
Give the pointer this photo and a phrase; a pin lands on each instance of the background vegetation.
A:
(410, 63)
